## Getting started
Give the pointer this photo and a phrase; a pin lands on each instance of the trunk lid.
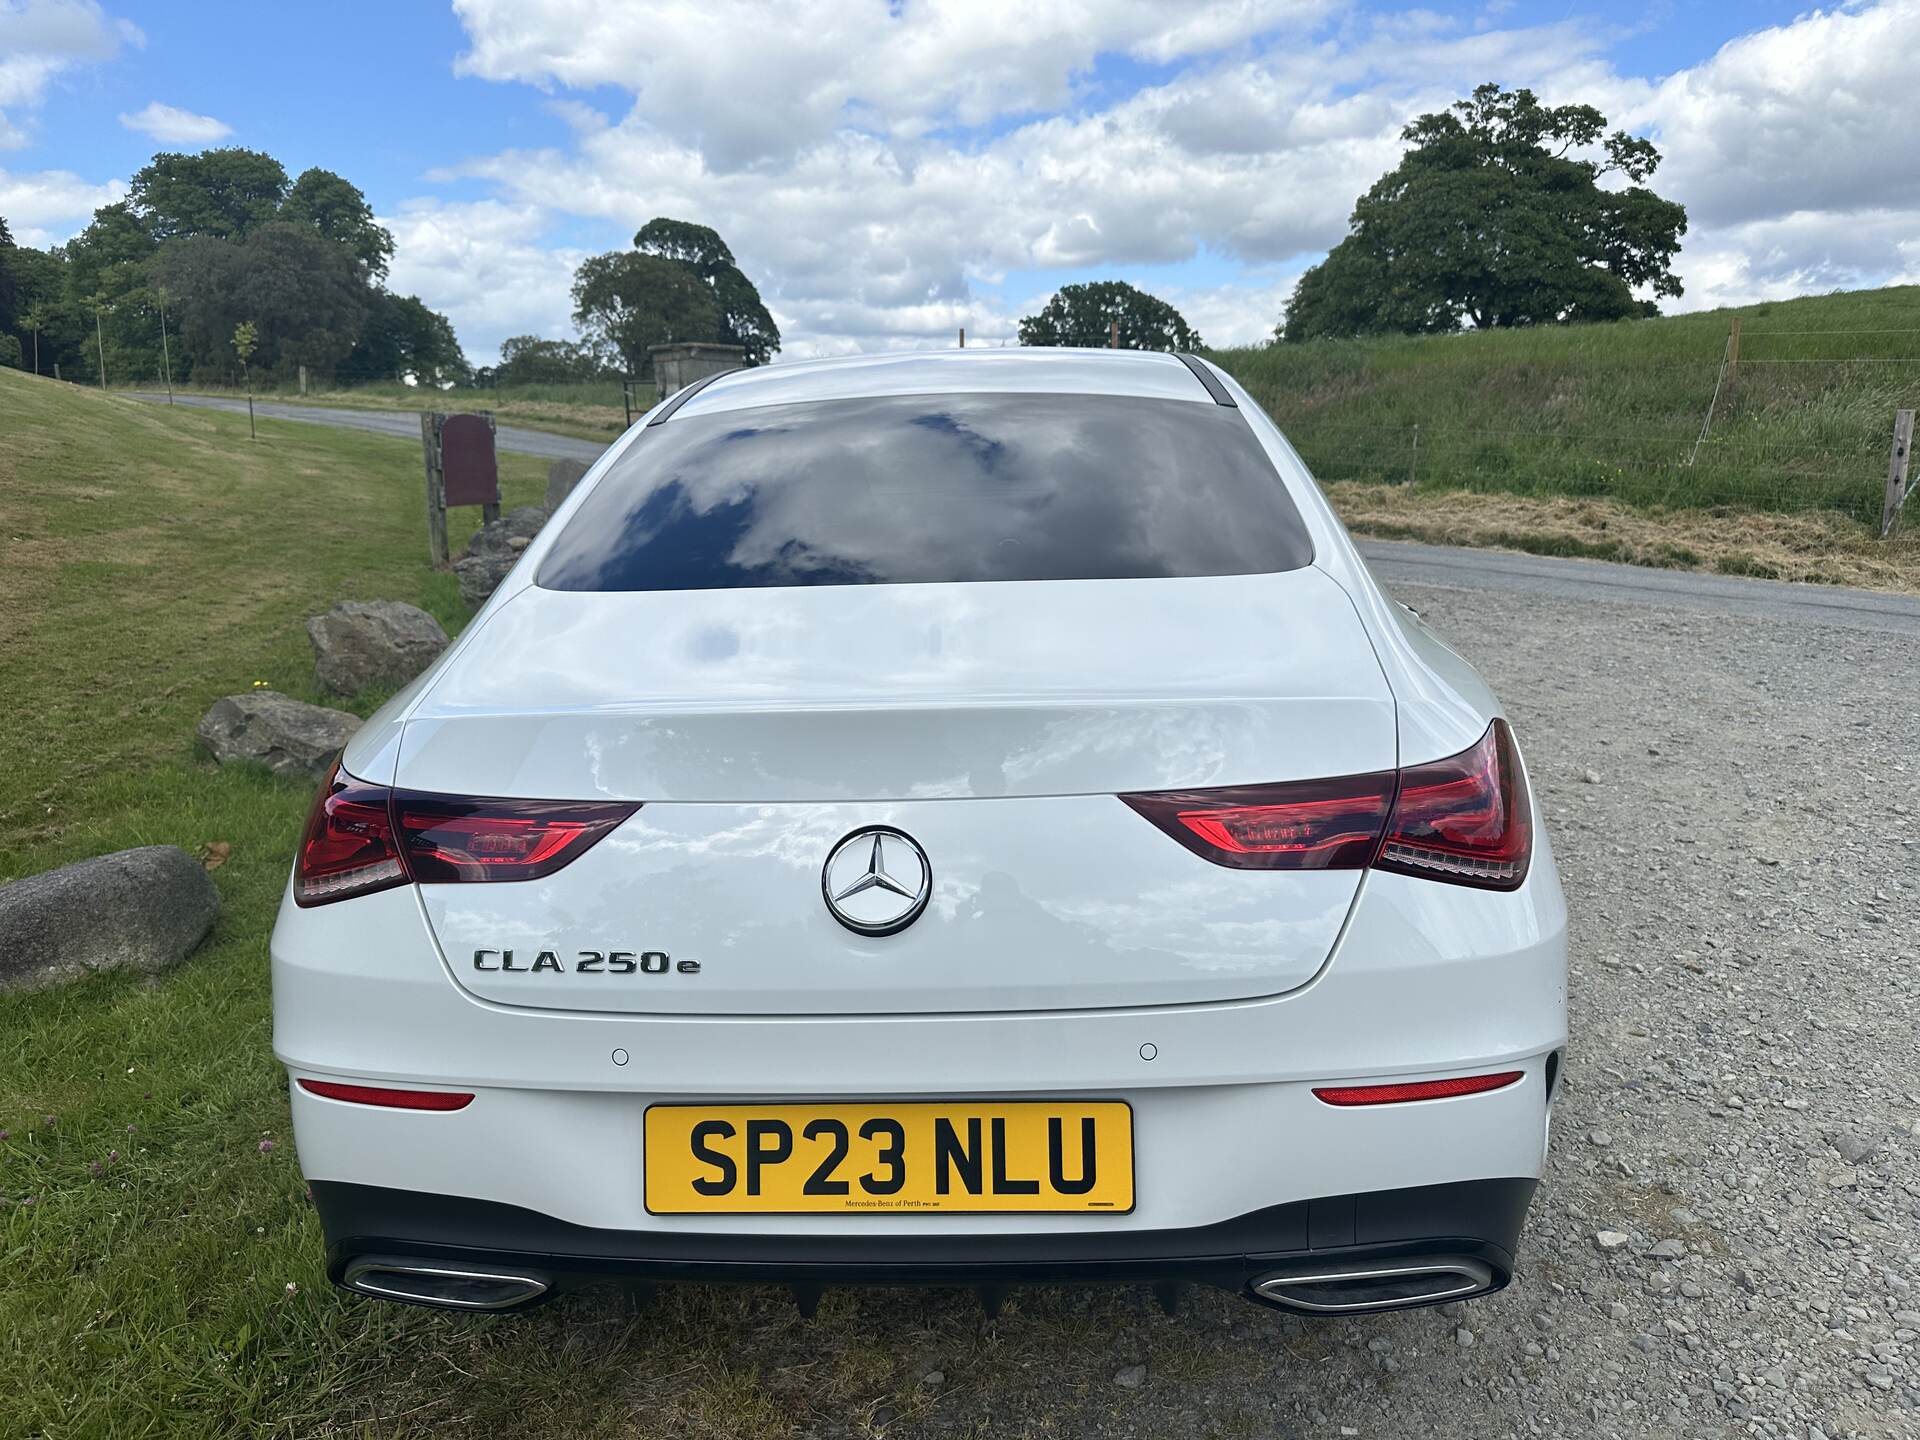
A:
(994, 724)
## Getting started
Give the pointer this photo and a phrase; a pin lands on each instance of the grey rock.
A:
(1854, 1148)
(1131, 1378)
(373, 642)
(1600, 1138)
(562, 476)
(494, 550)
(1463, 1337)
(141, 909)
(1668, 1250)
(1611, 1239)
(288, 736)
(508, 535)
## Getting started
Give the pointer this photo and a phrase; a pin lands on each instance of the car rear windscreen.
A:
(933, 488)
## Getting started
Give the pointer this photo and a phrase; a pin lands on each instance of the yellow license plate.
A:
(859, 1159)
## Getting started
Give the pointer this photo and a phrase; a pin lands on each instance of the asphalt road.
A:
(404, 424)
(1396, 563)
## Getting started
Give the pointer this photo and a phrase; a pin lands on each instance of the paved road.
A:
(1396, 563)
(402, 423)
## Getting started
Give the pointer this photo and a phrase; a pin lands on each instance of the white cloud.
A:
(885, 170)
(483, 266)
(41, 39)
(171, 125)
(47, 206)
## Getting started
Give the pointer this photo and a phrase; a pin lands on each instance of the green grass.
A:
(1613, 411)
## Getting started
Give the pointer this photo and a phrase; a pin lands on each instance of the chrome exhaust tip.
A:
(1362, 1287)
(446, 1283)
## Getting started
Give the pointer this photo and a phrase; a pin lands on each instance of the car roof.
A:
(1145, 374)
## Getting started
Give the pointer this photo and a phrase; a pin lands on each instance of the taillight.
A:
(1304, 825)
(1463, 819)
(348, 848)
(361, 838)
(447, 838)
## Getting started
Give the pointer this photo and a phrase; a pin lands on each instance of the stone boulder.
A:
(494, 550)
(288, 736)
(139, 909)
(366, 642)
(562, 476)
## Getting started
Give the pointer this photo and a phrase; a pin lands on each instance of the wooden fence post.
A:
(436, 487)
(488, 513)
(1897, 473)
(1733, 349)
(1413, 460)
(1113, 336)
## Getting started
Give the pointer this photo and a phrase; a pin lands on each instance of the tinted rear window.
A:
(942, 488)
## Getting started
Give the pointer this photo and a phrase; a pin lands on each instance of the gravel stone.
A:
(1132, 1377)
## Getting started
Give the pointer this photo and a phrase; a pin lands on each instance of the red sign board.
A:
(466, 461)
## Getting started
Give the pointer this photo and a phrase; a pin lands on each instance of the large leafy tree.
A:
(403, 339)
(744, 320)
(626, 302)
(304, 295)
(1086, 314)
(339, 211)
(1498, 216)
(223, 193)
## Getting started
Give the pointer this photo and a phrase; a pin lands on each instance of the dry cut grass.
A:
(1822, 547)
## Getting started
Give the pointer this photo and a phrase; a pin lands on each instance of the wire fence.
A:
(1759, 422)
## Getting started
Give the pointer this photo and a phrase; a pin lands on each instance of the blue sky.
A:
(891, 171)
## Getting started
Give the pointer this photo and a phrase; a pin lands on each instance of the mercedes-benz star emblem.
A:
(876, 881)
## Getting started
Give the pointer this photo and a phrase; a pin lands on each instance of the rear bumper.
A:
(1475, 1221)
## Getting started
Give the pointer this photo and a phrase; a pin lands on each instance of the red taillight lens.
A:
(1305, 825)
(389, 1099)
(348, 848)
(1415, 1090)
(1464, 819)
(447, 838)
(362, 838)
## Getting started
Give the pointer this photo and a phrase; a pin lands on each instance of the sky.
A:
(888, 171)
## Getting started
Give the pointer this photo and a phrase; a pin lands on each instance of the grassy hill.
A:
(1614, 411)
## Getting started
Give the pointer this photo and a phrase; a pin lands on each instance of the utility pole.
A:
(1113, 336)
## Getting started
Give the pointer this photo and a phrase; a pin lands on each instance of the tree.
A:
(530, 360)
(336, 208)
(1085, 315)
(628, 302)
(223, 193)
(305, 295)
(243, 342)
(1491, 219)
(9, 290)
(744, 320)
(404, 340)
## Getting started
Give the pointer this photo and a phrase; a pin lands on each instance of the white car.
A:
(962, 818)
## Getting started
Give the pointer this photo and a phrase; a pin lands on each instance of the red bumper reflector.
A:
(391, 1099)
(1416, 1090)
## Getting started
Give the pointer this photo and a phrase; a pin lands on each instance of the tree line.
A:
(203, 244)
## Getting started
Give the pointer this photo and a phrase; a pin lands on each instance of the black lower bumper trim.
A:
(1477, 1218)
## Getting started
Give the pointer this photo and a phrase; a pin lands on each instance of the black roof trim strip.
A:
(686, 393)
(1207, 378)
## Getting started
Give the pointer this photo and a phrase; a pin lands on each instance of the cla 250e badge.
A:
(585, 962)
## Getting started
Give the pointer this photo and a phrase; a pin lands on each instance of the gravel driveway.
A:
(1727, 1242)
